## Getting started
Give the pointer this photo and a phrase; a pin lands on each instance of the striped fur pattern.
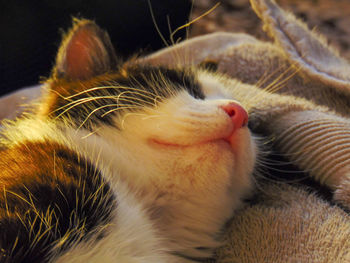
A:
(121, 162)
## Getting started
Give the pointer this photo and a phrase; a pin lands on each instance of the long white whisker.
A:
(107, 87)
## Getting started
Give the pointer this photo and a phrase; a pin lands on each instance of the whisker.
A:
(273, 87)
(154, 116)
(279, 85)
(93, 111)
(71, 103)
(149, 83)
(126, 115)
(119, 108)
(156, 24)
(269, 87)
(136, 98)
(169, 24)
(107, 87)
(266, 76)
(90, 134)
(79, 102)
(190, 14)
(192, 21)
(118, 98)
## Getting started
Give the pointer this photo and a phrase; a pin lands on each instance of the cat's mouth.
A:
(228, 141)
(177, 145)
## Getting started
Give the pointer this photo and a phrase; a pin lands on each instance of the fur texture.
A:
(168, 143)
(304, 113)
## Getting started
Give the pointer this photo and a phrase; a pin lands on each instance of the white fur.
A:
(131, 238)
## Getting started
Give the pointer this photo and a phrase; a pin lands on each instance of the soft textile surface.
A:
(299, 89)
(13, 104)
(287, 225)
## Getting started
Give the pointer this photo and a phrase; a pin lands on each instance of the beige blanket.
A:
(299, 101)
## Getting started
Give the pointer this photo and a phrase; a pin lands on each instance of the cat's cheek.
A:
(241, 143)
(238, 137)
(244, 150)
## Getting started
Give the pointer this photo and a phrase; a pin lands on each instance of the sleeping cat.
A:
(122, 162)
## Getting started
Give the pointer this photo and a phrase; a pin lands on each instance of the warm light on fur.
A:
(152, 170)
(157, 140)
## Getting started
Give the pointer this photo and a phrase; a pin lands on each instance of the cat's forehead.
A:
(161, 81)
(150, 82)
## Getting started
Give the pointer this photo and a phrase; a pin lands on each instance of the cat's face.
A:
(182, 137)
(177, 123)
(174, 137)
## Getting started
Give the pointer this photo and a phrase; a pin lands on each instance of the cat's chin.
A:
(238, 149)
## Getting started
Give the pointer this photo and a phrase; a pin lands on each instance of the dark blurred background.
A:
(32, 30)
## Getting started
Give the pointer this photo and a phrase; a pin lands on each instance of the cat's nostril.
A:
(237, 113)
(231, 111)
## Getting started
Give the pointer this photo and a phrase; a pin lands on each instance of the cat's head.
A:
(155, 120)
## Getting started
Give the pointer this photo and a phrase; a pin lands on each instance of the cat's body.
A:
(122, 164)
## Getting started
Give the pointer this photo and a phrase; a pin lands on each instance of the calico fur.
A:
(122, 162)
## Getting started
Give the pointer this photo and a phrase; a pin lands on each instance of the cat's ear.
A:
(86, 51)
(308, 50)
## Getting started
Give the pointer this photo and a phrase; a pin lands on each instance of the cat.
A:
(122, 162)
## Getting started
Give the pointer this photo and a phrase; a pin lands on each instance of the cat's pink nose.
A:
(238, 114)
